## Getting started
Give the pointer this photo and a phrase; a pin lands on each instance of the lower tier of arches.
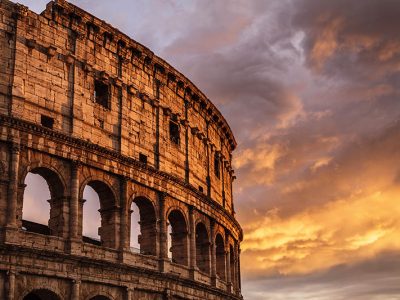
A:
(38, 275)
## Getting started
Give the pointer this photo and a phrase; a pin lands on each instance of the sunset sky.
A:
(311, 91)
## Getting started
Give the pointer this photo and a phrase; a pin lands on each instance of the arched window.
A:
(99, 298)
(178, 237)
(91, 221)
(202, 248)
(41, 294)
(43, 204)
(135, 228)
(108, 214)
(220, 256)
(147, 238)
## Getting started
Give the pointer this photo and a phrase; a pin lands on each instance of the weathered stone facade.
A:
(82, 104)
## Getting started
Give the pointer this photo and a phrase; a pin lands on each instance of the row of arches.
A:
(45, 294)
(99, 223)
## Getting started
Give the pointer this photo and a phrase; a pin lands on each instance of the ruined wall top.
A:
(84, 24)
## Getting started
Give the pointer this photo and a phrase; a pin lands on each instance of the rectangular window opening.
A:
(217, 166)
(101, 93)
(143, 158)
(47, 121)
(201, 189)
(174, 134)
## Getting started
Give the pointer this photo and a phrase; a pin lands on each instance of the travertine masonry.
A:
(82, 104)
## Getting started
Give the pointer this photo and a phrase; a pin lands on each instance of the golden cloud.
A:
(341, 232)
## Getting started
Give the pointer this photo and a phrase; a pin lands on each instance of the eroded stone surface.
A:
(82, 104)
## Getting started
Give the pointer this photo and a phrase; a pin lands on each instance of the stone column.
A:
(75, 291)
(129, 293)
(192, 238)
(124, 215)
(213, 253)
(74, 203)
(228, 263)
(13, 186)
(163, 236)
(237, 267)
(11, 285)
(186, 123)
(239, 276)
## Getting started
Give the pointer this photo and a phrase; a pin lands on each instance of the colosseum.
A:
(83, 105)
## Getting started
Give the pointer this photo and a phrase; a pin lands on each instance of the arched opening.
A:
(135, 228)
(41, 294)
(99, 298)
(232, 265)
(178, 237)
(43, 203)
(147, 239)
(220, 256)
(104, 205)
(202, 248)
(91, 221)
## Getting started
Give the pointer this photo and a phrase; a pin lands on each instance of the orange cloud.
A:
(341, 232)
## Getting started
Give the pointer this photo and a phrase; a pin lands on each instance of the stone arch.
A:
(148, 225)
(52, 176)
(220, 256)
(41, 294)
(179, 236)
(99, 295)
(202, 248)
(109, 215)
(57, 223)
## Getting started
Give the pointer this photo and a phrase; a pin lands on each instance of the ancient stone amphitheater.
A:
(82, 104)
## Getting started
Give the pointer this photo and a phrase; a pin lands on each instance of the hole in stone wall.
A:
(217, 165)
(147, 238)
(177, 238)
(101, 93)
(135, 229)
(174, 132)
(202, 249)
(201, 189)
(36, 208)
(47, 121)
(91, 219)
(143, 158)
(220, 256)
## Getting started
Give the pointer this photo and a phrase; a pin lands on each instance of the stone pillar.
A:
(76, 289)
(13, 186)
(192, 238)
(213, 253)
(187, 166)
(163, 236)
(237, 268)
(228, 263)
(208, 179)
(74, 203)
(129, 293)
(124, 215)
(11, 285)
(239, 276)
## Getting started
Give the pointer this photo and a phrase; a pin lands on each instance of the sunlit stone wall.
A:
(82, 104)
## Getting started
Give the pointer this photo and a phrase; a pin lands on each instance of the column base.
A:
(10, 235)
(74, 246)
(163, 265)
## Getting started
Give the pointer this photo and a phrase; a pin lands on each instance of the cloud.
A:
(310, 88)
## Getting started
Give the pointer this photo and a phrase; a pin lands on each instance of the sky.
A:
(310, 89)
